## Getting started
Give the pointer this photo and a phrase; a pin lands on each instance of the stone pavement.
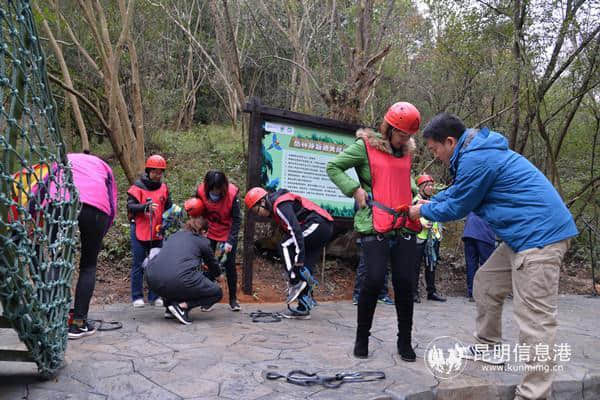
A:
(223, 355)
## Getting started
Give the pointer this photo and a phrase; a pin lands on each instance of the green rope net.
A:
(38, 201)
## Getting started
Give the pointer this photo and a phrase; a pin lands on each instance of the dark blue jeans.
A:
(476, 254)
(140, 250)
(361, 273)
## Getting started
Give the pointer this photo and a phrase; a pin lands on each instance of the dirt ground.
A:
(269, 284)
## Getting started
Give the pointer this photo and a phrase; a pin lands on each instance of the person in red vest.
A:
(221, 208)
(382, 161)
(307, 229)
(147, 199)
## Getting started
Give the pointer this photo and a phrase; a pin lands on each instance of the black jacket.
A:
(180, 259)
(295, 217)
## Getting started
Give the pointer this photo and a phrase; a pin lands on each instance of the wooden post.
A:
(323, 266)
(252, 179)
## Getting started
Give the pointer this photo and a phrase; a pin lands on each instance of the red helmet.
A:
(194, 207)
(253, 196)
(424, 178)
(156, 161)
(404, 117)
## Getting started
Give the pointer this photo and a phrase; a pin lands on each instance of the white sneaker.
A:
(294, 291)
(484, 353)
(159, 302)
(138, 303)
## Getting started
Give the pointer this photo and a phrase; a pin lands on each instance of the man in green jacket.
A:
(382, 161)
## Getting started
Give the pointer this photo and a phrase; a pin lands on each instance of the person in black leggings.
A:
(97, 189)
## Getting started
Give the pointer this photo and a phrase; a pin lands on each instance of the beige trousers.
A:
(532, 276)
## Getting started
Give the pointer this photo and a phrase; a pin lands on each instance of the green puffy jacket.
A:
(355, 156)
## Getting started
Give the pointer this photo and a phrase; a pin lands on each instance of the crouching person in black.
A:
(177, 276)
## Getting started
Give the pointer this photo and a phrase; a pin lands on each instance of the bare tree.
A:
(56, 47)
(123, 125)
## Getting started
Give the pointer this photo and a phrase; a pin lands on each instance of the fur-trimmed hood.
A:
(375, 140)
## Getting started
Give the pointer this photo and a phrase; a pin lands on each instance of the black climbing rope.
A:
(112, 325)
(303, 378)
(266, 317)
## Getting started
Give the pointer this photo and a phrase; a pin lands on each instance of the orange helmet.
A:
(194, 207)
(253, 196)
(424, 178)
(404, 117)
(156, 161)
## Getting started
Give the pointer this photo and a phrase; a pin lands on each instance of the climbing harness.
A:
(113, 325)
(266, 317)
(303, 378)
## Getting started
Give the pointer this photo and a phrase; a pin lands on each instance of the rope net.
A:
(38, 201)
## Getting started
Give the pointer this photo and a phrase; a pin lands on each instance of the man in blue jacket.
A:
(526, 212)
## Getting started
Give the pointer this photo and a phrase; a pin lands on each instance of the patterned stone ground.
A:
(223, 355)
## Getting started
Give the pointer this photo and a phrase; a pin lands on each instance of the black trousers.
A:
(399, 252)
(195, 289)
(93, 224)
(429, 271)
(230, 271)
(316, 235)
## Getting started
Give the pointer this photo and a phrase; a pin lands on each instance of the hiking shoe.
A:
(295, 290)
(207, 309)
(77, 332)
(293, 314)
(234, 305)
(138, 303)
(485, 353)
(354, 300)
(158, 302)
(406, 351)
(386, 300)
(180, 314)
(361, 348)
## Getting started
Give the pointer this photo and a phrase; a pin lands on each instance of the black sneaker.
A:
(77, 332)
(168, 314)
(179, 314)
(435, 297)
(294, 291)
(235, 306)
(293, 314)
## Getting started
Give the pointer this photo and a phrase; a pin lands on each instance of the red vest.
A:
(390, 183)
(306, 203)
(143, 230)
(218, 213)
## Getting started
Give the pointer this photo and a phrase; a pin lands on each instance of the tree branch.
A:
(84, 99)
(590, 184)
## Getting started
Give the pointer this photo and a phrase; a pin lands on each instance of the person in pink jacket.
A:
(97, 189)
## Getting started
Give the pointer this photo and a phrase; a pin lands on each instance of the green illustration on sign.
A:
(295, 158)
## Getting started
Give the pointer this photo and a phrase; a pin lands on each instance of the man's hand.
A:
(227, 248)
(361, 196)
(414, 212)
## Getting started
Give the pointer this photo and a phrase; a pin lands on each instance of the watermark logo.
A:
(443, 357)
